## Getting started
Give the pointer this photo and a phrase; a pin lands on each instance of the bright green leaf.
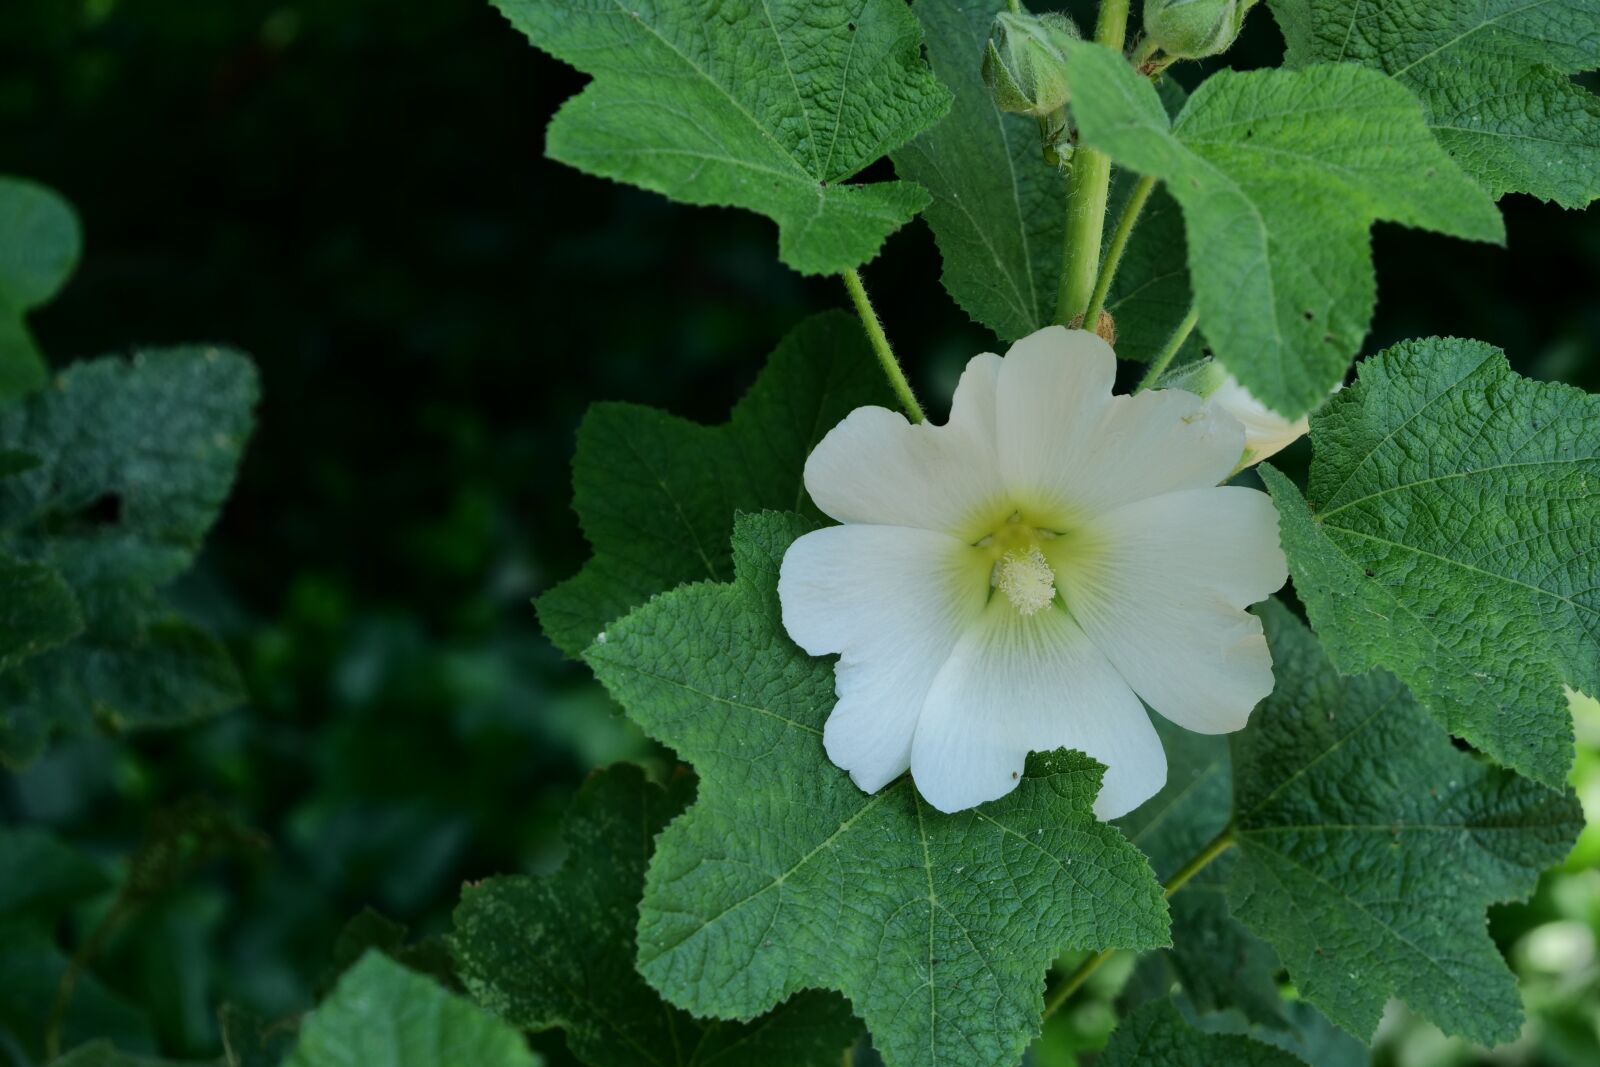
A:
(1157, 1034)
(785, 876)
(39, 246)
(559, 951)
(382, 1015)
(1369, 846)
(1280, 175)
(1448, 535)
(1493, 77)
(769, 106)
(657, 494)
(135, 459)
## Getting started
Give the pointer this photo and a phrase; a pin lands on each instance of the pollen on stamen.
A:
(1027, 580)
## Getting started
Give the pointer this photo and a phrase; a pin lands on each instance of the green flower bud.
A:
(1025, 63)
(1193, 29)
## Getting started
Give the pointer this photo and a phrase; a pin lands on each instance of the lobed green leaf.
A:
(657, 494)
(1494, 78)
(1280, 175)
(559, 951)
(785, 876)
(768, 106)
(1448, 533)
(1369, 846)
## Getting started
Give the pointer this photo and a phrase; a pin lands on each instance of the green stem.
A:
(1074, 981)
(1119, 245)
(1087, 188)
(880, 345)
(1159, 365)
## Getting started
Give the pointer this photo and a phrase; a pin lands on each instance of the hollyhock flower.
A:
(1019, 578)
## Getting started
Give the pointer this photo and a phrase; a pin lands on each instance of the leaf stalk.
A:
(880, 346)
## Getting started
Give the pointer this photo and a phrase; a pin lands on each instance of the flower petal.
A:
(875, 467)
(893, 601)
(1162, 593)
(1069, 450)
(1015, 685)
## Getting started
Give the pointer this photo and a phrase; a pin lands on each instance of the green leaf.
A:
(1157, 1034)
(250, 1041)
(39, 875)
(39, 246)
(1220, 964)
(785, 876)
(1370, 847)
(657, 494)
(1447, 535)
(1493, 77)
(997, 210)
(382, 1015)
(1280, 175)
(135, 459)
(768, 106)
(559, 951)
(37, 611)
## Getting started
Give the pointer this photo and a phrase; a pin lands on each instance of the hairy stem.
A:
(1164, 359)
(880, 345)
(1086, 197)
(81, 961)
(1074, 981)
(1119, 245)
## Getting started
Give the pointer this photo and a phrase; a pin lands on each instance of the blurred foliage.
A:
(353, 191)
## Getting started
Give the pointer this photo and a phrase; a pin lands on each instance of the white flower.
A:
(1009, 581)
(1266, 433)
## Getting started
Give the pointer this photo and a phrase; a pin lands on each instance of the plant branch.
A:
(880, 345)
(1175, 342)
(1119, 244)
(1074, 981)
(1087, 188)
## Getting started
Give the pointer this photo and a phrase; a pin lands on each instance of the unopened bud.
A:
(1025, 62)
(1266, 432)
(1194, 29)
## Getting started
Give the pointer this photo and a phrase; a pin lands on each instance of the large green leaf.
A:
(1369, 846)
(1448, 535)
(383, 1015)
(1493, 76)
(997, 210)
(1280, 175)
(785, 876)
(769, 105)
(134, 461)
(559, 951)
(39, 246)
(657, 494)
(1157, 1035)
(1220, 965)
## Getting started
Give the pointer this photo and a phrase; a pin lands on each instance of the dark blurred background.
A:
(353, 191)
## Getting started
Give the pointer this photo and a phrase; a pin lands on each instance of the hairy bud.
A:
(1025, 63)
(1193, 29)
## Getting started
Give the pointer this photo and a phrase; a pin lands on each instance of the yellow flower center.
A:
(1019, 568)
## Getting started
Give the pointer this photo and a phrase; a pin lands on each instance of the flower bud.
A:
(1194, 29)
(1266, 432)
(1025, 63)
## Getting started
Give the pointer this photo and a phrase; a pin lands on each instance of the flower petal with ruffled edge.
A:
(1019, 578)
